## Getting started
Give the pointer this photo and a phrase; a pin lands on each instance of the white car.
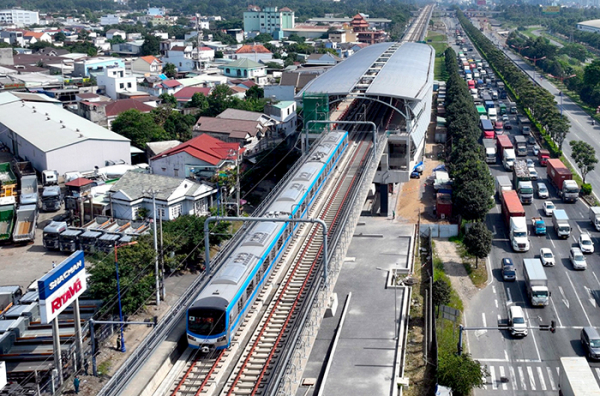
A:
(533, 173)
(577, 258)
(547, 257)
(536, 150)
(585, 243)
(549, 208)
(530, 163)
(505, 117)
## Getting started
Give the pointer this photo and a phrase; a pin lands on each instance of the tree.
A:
(139, 127)
(168, 99)
(151, 45)
(473, 201)
(198, 101)
(255, 92)
(263, 38)
(478, 241)
(459, 372)
(169, 70)
(441, 292)
(584, 156)
(60, 36)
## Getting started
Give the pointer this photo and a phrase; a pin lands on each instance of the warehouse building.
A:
(54, 138)
(592, 26)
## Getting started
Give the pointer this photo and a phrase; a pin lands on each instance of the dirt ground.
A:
(417, 196)
(454, 268)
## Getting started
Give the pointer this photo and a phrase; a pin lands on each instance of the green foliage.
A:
(169, 70)
(586, 189)
(478, 241)
(584, 156)
(60, 37)
(168, 99)
(139, 127)
(262, 38)
(255, 92)
(198, 101)
(441, 292)
(461, 373)
(151, 45)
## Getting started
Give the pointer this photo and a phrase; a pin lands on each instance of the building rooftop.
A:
(593, 23)
(253, 49)
(136, 185)
(155, 148)
(205, 148)
(79, 182)
(149, 59)
(238, 129)
(235, 114)
(283, 104)
(243, 63)
(61, 127)
(119, 106)
(171, 83)
(186, 93)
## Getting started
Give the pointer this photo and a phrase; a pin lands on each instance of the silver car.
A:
(542, 191)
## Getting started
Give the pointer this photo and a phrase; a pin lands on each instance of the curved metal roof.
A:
(405, 74)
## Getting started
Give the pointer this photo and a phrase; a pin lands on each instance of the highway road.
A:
(530, 365)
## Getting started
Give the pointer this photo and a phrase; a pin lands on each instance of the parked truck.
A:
(68, 240)
(505, 149)
(560, 221)
(522, 181)
(536, 281)
(521, 145)
(8, 181)
(539, 225)
(7, 217)
(576, 378)
(51, 198)
(51, 234)
(26, 224)
(490, 150)
(503, 183)
(514, 217)
(543, 156)
(525, 125)
(562, 178)
(595, 217)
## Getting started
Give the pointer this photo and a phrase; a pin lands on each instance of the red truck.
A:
(562, 178)
(504, 143)
(543, 156)
(511, 205)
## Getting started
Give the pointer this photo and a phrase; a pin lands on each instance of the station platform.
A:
(366, 358)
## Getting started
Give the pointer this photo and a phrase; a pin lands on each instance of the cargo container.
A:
(536, 282)
(522, 182)
(506, 151)
(489, 146)
(576, 378)
(521, 145)
(488, 129)
(514, 217)
(561, 177)
(503, 183)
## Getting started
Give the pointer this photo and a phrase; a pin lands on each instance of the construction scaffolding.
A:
(315, 107)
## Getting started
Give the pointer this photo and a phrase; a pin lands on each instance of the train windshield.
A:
(206, 322)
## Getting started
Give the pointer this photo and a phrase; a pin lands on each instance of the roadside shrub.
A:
(586, 189)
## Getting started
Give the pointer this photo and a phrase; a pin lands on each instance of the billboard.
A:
(551, 10)
(61, 286)
(481, 2)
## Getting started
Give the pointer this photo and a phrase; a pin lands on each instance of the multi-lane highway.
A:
(530, 365)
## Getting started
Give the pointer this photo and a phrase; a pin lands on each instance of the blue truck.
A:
(539, 225)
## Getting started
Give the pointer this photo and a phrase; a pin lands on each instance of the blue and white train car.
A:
(221, 306)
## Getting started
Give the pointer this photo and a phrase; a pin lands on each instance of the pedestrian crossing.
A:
(504, 377)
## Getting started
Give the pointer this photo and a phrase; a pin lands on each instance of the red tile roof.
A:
(205, 49)
(37, 35)
(149, 59)
(249, 83)
(205, 148)
(119, 106)
(171, 83)
(79, 182)
(285, 9)
(185, 94)
(253, 49)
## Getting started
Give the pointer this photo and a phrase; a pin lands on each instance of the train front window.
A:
(206, 322)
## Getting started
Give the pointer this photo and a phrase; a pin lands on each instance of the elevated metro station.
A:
(398, 76)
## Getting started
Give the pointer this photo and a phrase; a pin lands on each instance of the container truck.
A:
(536, 281)
(505, 149)
(514, 217)
(489, 104)
(493, 114)
(522, 181)
(562, 178)
(525, 125)
(576, 378)
(51, 198)
(7, 217)
(51, 234)
(539, 225)
(490, 150)
(521, 145)
(26, 223)
(595, 217)
(488, 129)
(503, 183)
(495, 95)
(560, 221)
(543, 156)
(8, 181)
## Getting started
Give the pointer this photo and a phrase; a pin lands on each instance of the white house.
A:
(110, 19)
(147, 64)
(174, 196)
(285, 114)
(115, 80)
(112, 33)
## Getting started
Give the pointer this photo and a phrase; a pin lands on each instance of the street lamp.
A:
(519, 48)
(561, 79)
(119, 292)
(236, 153)
(534, 60)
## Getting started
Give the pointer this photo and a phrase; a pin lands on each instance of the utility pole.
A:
(154, 192)
(198, 41)
(520, 48)
(534, 60)
(237, 179)
(561, 79)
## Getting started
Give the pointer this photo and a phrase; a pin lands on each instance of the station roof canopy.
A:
(403, 75)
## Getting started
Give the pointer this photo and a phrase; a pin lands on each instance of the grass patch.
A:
(434, 36)
(104, 367)
(479, 275)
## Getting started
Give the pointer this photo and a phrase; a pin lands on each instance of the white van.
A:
(517, 321)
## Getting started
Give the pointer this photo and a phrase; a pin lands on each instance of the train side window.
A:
(240, 305)
(266, 264)
(231, 317)
(250, 289)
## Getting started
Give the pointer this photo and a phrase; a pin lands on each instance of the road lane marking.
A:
(564, 297)
(552, 242)
(556, 312)
(506, 355)
(552, 385)
(531, 378)
(493, 375)
(592, 299)
(496, 302)
(508, 296)
(513, 378)
(491, 360)
(598, 281)
(494, 289)
(541, 376)
(597, 371)
(503, 374)
(488, 264)
(522, 378)
(578, 299)
(534, 340)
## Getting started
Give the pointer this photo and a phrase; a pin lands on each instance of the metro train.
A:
(214, 316)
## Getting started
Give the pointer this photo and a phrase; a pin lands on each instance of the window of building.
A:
(175, 211)
(176, 172)
(121, 85)
(227, 71)
(128, 85)
(239, 73)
